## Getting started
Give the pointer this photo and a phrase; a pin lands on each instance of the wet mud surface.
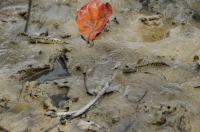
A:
(38, 79)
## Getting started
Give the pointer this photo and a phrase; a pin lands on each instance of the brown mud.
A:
(153, 99)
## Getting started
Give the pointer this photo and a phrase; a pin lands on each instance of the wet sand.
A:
(153, 99)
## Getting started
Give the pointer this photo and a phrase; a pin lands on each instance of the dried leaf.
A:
(96, 78)
(92, 18)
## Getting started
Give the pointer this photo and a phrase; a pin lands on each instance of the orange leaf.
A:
(92, 18)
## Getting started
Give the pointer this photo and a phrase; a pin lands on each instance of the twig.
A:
(127, 127)
(77, 113)
(28, 16)
(84, 109)
(66, 113)
(142, 96)
(55, 125)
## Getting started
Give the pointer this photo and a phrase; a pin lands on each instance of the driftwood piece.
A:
(84, 109)
(74, 114)
(92, 102)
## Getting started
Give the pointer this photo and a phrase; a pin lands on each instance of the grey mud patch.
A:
(160, 99)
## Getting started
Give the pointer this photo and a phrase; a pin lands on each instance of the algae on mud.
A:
(151, 30)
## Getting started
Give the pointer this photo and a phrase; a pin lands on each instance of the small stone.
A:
(115, 120)
(23, 14)
(168, 109)
(184, 123)
(74, 100)
(64, 36)
(93, 128)
(56, 25)
(5, 97)
(195, 58)
(48, 113)
(159, 119)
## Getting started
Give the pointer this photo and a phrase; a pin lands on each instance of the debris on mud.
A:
(43, 87)
(96, 78)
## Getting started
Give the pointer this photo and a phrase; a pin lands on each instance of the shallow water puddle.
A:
(58, 70)
(57, 73)
(58, 99)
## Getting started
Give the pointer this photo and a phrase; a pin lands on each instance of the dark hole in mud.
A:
(78, 68)
(59, 70)
(47, 75)
(2, 129)
(58, 99)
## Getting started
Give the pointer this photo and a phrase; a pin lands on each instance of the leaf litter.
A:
(92, 17)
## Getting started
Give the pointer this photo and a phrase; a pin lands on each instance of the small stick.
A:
(66, 113)
(84, 109)
(50, 128)
(127, 127)
(77, 113)
(28, 16)
(142, 96)
(99, 95)
(116, 65)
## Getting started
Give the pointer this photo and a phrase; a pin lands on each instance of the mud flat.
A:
(40, 79)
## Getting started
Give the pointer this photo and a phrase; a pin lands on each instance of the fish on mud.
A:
(46, 40)
(136, 68)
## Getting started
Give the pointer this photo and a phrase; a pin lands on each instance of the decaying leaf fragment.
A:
(96, 78)
(92, 17)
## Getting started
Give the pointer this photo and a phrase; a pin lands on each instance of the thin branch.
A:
(77, 113)
(28, 16)
(84, 109)
(65, 113)
(142, 96)
(128, 127)
(92, 102)
(50, 128)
